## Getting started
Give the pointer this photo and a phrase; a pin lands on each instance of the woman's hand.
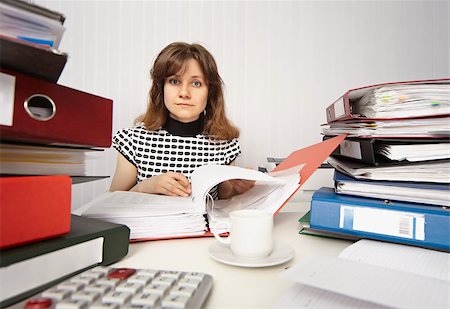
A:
(170, 183)
(241, 185)
(230, 188)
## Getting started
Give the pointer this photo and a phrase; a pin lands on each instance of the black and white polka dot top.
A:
(157, 152)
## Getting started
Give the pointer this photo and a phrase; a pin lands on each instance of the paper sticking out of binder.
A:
(409, 99)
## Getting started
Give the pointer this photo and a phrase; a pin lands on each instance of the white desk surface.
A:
(234, 287)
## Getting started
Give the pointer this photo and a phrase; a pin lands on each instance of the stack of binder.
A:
(46, 130)
(392, 172)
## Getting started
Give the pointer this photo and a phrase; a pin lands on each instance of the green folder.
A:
(115, 247)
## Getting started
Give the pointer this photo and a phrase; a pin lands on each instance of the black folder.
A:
(364, 150)
(115, 247)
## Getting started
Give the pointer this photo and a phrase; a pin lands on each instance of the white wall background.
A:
(282, 62)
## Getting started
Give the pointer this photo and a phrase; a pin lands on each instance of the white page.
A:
(371, 283)
(270, 192)
(132, 204)
(424, 262)
(377, 271)
(302, 296)
(205, 177)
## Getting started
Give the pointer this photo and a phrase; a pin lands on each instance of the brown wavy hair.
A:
(169, 62)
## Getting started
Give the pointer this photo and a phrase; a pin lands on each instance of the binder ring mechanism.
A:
(40, 107)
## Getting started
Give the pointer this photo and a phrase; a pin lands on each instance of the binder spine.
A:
(48, 113)
(387, 222)
(338, 109)
(357, 149)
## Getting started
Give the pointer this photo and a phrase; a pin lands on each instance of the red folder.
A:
(33, 208)
(45, 113)
(341, 109)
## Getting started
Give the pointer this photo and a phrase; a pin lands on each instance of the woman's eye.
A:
(174, 81)
(196, 83)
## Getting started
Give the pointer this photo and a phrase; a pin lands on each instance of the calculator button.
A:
(171, 274)
(72, 304)
(147, 272)
(195, 275)
(129, 287)
(116, 298)
(191, 282)
(121, 273)
(182, 290)
(99, 305)
(140, 279)
(85, 280)
(175, 301)
(88, 296)
(56, 294)
(159, 289)
(164, 281)
(37, 303)
(101, 269)
(99, 288)
(93, 274)
(145, 299)
(111, 282)
(70, 286)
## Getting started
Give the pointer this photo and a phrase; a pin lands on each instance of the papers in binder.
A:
(427, 127)
(28, 159)
(28, 26)
(403, 100)
(415, 152)
(429, 171)
(417, 192)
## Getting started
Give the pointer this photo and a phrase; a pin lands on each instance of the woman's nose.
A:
(184, 92)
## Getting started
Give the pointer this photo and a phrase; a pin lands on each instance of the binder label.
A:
(339, 108)
(384, 222)
(7, 87)
(350, 149)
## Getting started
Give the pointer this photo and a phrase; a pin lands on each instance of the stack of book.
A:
(45, 132)
(392, 172)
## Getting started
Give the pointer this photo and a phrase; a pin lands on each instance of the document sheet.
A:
(371, 274)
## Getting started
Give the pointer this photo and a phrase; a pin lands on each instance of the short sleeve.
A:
(232, 151)
(123, 143)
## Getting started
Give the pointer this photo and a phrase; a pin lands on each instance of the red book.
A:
(33, 208)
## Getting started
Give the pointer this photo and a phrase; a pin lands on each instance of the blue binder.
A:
(399, 222)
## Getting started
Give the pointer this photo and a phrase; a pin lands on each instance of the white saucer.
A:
(281, 254)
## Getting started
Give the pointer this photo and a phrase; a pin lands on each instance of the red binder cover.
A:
(48, 113)
(341, 109)
(33, 208)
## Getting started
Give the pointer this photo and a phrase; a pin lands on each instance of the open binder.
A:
(152, 216)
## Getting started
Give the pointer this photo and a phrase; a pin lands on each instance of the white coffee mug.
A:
(251, 233)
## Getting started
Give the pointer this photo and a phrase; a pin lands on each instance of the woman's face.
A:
(186, 92)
